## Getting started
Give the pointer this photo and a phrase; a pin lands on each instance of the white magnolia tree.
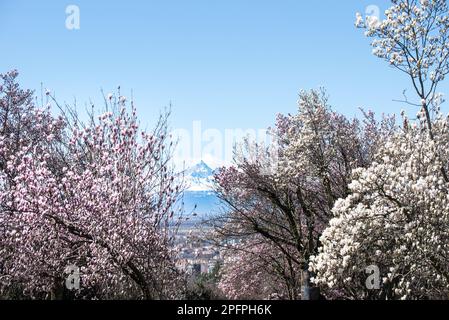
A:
(396, 218)
(414, 39)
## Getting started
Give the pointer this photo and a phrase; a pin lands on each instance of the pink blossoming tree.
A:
(286, 207)
(100, 196)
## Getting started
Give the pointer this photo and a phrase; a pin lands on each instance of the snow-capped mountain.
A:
(199, 177)
(199, 198)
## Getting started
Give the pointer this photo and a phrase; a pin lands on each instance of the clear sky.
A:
(229, 63)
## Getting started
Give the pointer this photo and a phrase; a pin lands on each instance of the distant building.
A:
(196, 269)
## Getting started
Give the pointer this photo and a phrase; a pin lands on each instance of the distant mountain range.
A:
(200, 201)
(199, 178)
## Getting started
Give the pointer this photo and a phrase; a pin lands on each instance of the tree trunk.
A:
(57, 292)
(308, 291)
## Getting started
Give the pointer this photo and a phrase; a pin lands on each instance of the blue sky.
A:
(230, 64)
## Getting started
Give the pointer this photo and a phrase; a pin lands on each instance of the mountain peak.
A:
(199, 177)
(201, 170)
